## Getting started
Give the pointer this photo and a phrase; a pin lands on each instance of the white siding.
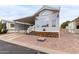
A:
(47, 17)
(72, 27)
(10, 29)
(9, 26)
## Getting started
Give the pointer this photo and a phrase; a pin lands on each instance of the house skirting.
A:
(73, 30)
(46, 34)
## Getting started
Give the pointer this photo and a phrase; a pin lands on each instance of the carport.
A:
(22, 24)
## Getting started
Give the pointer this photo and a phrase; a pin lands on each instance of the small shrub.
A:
(3, 29)
(64, 24)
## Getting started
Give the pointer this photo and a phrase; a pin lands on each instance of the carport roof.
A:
(30, 19)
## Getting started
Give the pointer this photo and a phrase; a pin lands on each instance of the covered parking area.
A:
(21, 25)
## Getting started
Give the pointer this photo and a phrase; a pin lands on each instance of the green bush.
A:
(3, 28)
(63, 25)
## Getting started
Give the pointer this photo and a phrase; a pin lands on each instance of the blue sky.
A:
(69, 12)
(12, 12)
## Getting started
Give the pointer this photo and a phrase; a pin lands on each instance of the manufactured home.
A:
(45, 22)
(73, 26)
(9, 25)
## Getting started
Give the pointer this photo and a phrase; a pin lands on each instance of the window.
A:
(57, 15)
(45, 25)
(45, 12)
(77, 26)
(37, 26)
(44, 30)
(53, 25)
(12, 25)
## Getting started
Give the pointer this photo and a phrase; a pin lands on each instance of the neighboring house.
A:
(9, 25)
(73, 26)
(44, 23)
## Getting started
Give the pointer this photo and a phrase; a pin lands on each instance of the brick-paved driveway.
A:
(67, 43)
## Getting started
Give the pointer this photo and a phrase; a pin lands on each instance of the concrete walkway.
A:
(67, 43)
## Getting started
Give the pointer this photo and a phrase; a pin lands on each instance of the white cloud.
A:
(68, 13)
(12, 12)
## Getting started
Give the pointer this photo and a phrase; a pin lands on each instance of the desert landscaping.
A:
(46, 31)
(67, 43)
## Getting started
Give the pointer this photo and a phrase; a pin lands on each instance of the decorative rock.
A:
(42, 39)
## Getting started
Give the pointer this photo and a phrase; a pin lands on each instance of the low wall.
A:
(46, 34)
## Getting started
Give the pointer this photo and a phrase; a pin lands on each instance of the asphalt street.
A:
(9, 48)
